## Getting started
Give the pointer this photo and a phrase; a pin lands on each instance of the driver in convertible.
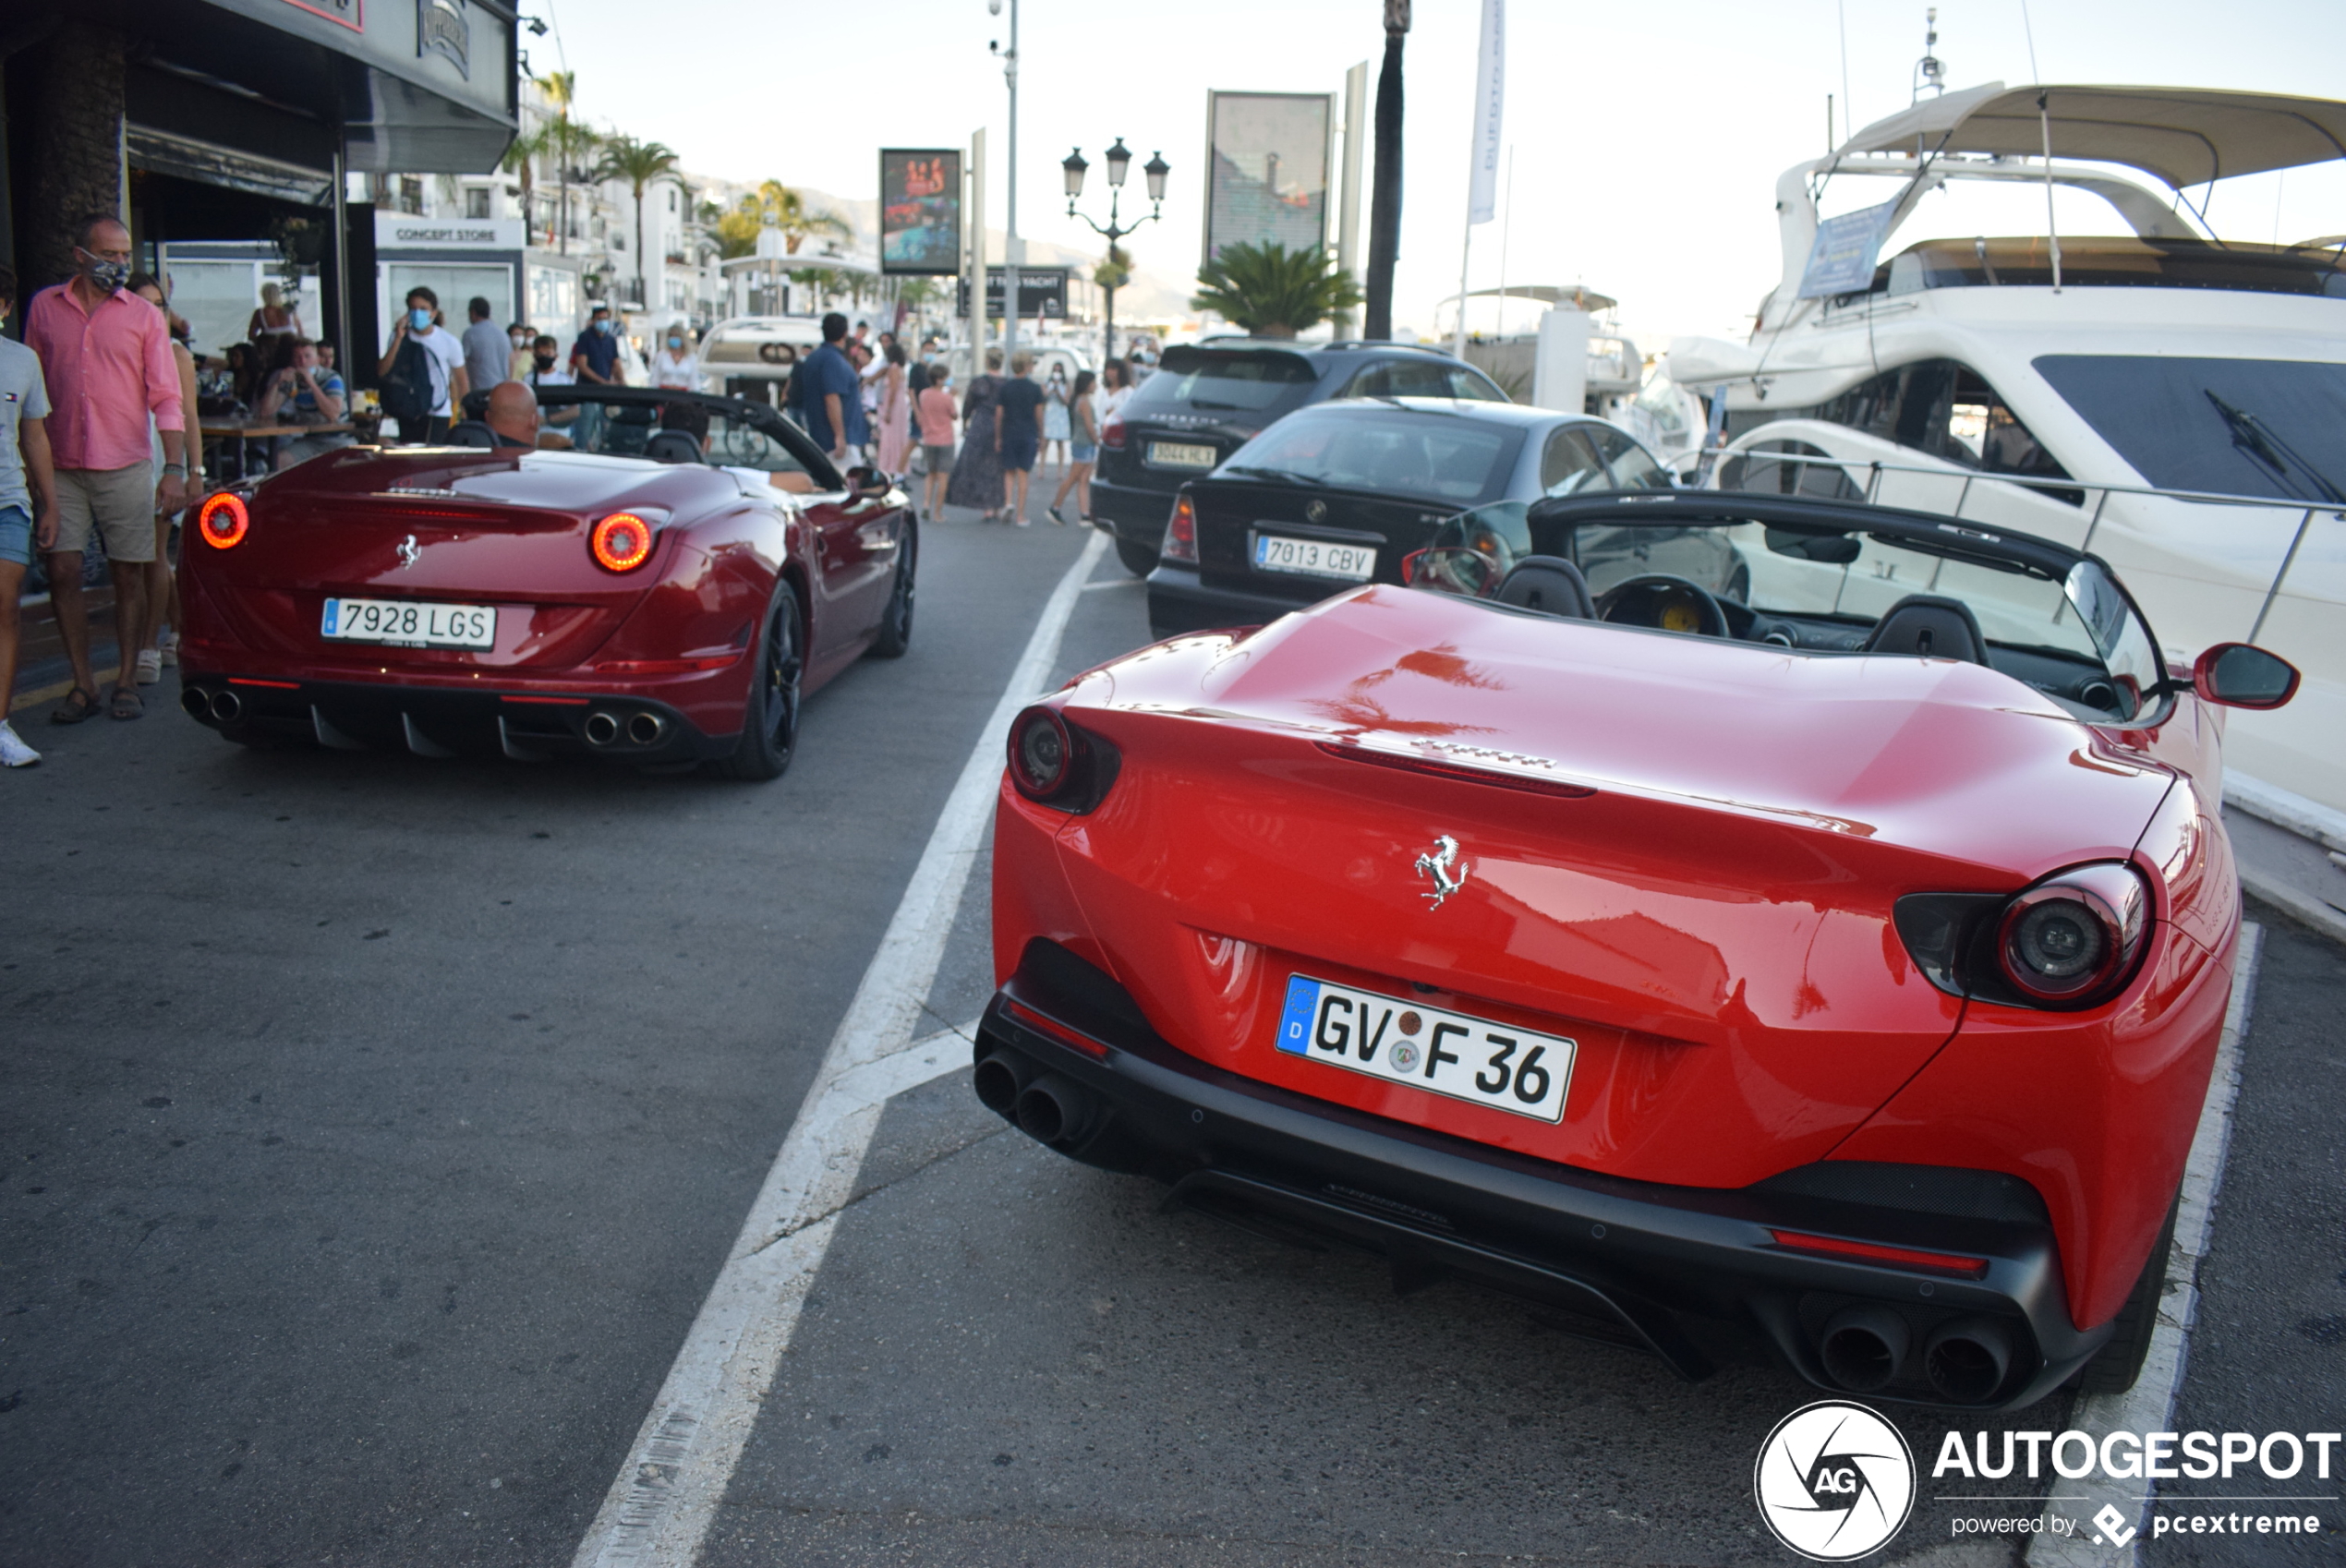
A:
(513, 415)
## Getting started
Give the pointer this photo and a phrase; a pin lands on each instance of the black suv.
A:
(1208, 399)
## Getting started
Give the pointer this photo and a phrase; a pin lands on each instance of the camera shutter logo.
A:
(1834, 1481)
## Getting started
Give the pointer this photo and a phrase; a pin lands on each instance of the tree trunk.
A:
(1384, 200)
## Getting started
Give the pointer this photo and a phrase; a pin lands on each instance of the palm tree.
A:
(1274, 292)
(787, 211)
(737, 229)
(521, 159)
(640, 164)
(567, 141)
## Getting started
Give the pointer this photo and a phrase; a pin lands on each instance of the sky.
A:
(1645, 137)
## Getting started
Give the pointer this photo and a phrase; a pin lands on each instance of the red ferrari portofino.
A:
(652, 609)
(1734, 921)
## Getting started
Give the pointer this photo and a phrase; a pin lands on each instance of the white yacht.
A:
(2174, 401)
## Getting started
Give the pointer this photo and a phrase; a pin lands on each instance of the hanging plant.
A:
(301, 242)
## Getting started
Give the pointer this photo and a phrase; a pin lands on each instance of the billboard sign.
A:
(921, 210)
(1267, 156)
(1042, 291)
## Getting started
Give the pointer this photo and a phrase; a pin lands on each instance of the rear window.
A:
(1429, 456)
(1225, 381)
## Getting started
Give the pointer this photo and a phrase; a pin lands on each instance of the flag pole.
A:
(1483, 166)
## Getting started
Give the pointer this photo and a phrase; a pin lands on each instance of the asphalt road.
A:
(376, 1127)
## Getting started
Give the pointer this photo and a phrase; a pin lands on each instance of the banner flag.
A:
(1490, 101)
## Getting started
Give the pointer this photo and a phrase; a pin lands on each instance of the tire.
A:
(770, 718)
(2117, 1364)
(896, 621)
(1139, 560)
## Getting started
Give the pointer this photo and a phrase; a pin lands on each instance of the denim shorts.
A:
(1078, 453)
(15, 535)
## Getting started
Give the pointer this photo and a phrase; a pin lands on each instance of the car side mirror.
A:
(2242, 675)
(868, 481)
(1452, 569)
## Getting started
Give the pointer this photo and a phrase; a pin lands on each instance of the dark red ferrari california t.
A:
(1732, 921)
(666, 598)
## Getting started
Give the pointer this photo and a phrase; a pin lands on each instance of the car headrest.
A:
(1928, 626)
(672, 446)
(472, 432)
(1548, 584)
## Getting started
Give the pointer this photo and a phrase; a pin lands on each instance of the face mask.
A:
(603, 327)
(520, 341)
(675, 343)
(418, 319)
(545, 361)
(108, 275)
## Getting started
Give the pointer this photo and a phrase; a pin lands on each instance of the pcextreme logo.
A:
(1834, 1481)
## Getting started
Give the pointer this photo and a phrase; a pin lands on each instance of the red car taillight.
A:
(1057, 764)
(1112, 433)
(1180, 534)
(223, 521)
(621, 542)
(2073, 940)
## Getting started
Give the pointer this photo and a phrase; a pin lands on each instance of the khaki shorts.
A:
(120, 503)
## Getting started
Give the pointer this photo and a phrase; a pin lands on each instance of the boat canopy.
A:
(2183, 135)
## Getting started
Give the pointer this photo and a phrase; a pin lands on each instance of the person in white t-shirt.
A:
(444, 357)
(676, 367)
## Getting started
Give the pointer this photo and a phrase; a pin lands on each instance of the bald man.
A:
(513, 415)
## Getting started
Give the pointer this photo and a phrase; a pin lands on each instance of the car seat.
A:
(473, 433)
(672, 446)
(1928, 626)
(1548, 584)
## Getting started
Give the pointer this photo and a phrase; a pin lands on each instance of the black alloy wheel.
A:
(2117, 1364)
(896, 622)
(770, 719)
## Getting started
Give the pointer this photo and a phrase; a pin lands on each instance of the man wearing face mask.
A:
(444, 364)
(107, 356)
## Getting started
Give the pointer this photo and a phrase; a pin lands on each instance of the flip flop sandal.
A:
(127, 704)
(78, 707)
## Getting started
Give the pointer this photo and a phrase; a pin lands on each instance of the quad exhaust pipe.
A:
(223, 707)
(1048, 1108)
(1966, 1359)
(603, 728)
(1863, 1346)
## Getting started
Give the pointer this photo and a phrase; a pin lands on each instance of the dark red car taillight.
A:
(621, 542)
(224, 520)
(1055, 764)
(1180, 534)
(2072, 940)
(1112, 433)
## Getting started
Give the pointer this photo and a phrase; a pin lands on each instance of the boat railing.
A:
(1715, 459)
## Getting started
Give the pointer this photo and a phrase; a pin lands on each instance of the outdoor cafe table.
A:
(240, 431)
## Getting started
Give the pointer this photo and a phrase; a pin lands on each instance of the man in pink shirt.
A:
(107, 356)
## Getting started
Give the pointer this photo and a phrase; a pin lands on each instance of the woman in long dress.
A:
(1055, 415)
(895, 412)
(977, 472)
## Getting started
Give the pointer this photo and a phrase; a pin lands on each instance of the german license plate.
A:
(1519, 1071)
(1181, 455)
(410, 623)
(1314, 557)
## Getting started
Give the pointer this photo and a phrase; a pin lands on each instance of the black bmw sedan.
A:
(1208, 399)
(1338, 493)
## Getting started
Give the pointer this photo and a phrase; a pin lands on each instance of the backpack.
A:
(406, 389)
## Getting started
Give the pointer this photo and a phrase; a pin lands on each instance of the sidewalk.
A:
(43, 674)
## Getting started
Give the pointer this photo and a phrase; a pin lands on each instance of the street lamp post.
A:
(1012, 259)
(1119, 162)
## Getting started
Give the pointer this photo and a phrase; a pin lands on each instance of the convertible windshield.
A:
(1427, 456)
(2075, 636)
(2168, 418)
(637, 429)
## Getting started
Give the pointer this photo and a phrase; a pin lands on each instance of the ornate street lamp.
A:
(1120, 163)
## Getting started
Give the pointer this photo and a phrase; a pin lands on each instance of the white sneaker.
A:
(14, 753)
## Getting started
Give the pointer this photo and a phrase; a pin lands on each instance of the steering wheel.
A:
(1678, 605)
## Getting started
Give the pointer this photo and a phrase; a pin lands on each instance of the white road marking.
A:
(1115, 582)
(660, 1504)
(2147, 1406)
